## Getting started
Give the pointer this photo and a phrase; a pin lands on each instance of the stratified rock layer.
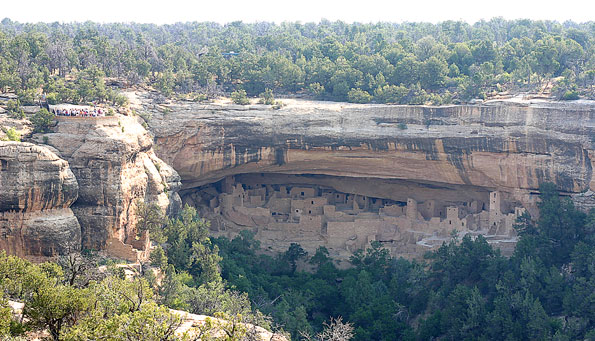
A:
(505, 146)
(113, 161)
(37, 189)
(453, 155)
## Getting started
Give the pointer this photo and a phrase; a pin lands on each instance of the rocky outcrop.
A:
(452, 154)
(277, 172)
(194, 325)
(498, 145)
(113, 160)
(37, 191)
(22, 127)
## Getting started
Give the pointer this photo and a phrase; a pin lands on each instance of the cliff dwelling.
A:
(346, 214)
(342, 175)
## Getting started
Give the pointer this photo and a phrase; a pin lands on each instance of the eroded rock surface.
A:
(192, 325)
(37, 189)
(497, 145)
(113, 160)
(456, 156)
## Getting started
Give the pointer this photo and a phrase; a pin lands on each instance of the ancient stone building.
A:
(283, 208)
(407, 188)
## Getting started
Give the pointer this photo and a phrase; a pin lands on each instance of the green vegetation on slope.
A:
(463, 291)
(411, 63)
(75, 299)
(80, 305)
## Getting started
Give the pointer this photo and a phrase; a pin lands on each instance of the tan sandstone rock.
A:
(37, 189)
(189, 326)
(453, 157)
(192, 323)
(497, 145)
(114, 163)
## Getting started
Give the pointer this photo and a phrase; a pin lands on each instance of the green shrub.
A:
(199, 97)
(12, 134)
(358, 96)
(5, 317)
(267, 97)
(391, 94)
(42, 121)
(165, 83)
(570, 95)
(13, 107)
(52, 98)
(120, 100)
(435, 99)
(240, 97)
(316, 89)
(416, 95)
(402, 126)
(278, 105)
(158, 258)
(28, 96)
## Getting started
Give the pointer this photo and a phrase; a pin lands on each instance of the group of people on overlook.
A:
(80, 112)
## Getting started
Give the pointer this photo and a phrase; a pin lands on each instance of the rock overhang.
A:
(207, 142)
(463, 152)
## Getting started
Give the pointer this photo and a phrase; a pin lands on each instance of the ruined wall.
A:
(449, 156)
(304, 209)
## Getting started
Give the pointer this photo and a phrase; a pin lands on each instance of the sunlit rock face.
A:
(113, 160)
(37, 189)
(457, 156)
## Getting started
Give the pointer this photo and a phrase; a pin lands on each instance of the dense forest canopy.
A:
(410, 63)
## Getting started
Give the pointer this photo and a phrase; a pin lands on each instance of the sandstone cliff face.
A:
(453, 158)
(499, 145)
(37, 189)
(113, 161)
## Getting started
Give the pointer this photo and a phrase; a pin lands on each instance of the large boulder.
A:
(37, 190)
(114, 163)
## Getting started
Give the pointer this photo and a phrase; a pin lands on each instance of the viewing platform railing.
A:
(88, 119)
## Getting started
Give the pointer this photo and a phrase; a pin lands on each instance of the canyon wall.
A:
(37, 189)
(452, 154)
(501, 145)
(318, 173)
(115, 166)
